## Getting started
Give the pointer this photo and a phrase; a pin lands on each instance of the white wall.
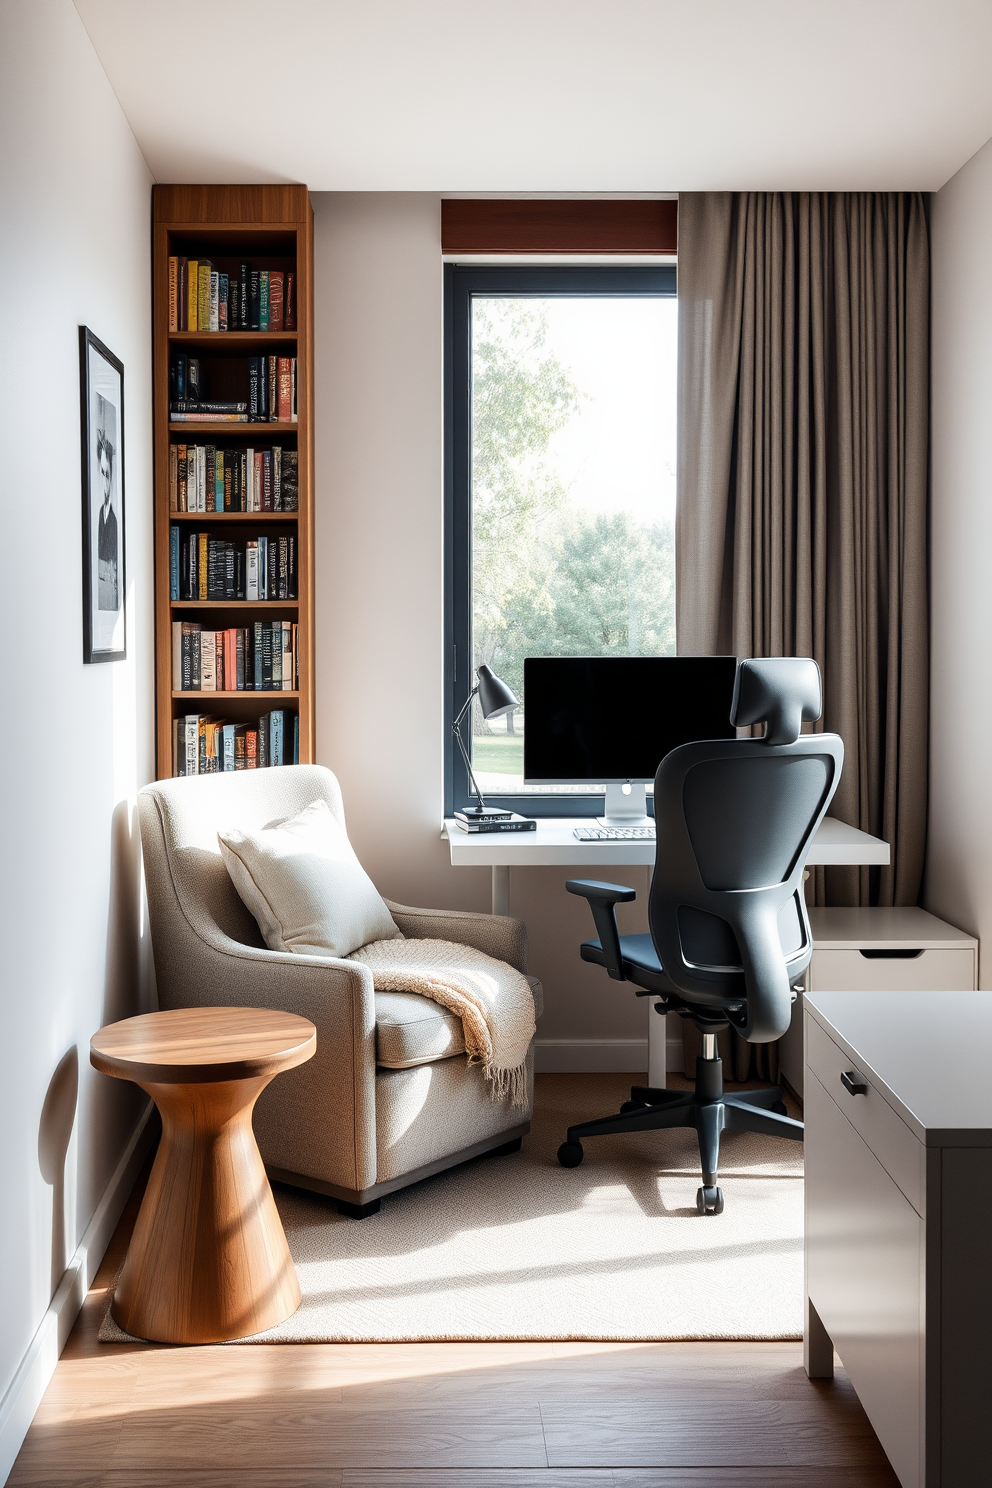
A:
(76, 740)
(379, 603)
(958, 882)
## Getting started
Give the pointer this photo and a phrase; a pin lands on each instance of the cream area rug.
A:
(517, 1247)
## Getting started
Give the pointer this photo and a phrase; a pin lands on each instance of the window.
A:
(560, 490)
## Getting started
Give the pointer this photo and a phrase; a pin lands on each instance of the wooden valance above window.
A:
(555, 226)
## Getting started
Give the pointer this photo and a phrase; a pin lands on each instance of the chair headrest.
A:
(782, 692)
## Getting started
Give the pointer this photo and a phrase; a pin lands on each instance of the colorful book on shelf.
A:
(290, 480)
(204, 268)
(217, 412)
(284, 403)
(190, 295)
(263, 657)
(249, 569)
(243, 298)
(277, 282)
(203, 298)
(204, 744)
(244, 480)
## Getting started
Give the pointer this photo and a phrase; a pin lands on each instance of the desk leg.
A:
(818, 1349)
(657, 1047)
(501, 889)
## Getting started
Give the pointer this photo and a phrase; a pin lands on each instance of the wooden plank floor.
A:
(455, 1415)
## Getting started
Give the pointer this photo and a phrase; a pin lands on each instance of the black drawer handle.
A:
(903, 953)
(853, 1083)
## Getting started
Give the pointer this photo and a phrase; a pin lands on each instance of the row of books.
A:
(204, 478)
(271, 393)
(263, 657)
(202, 566)
(202, 744)
(204, 298)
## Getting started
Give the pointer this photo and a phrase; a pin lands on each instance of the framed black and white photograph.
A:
(104, 588)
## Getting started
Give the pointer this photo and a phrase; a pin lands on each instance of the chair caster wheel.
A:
(780, 1108)
(631, 1106)
(709, 1200)
(570, 1154)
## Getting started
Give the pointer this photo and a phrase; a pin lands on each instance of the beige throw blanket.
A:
(494, 1002)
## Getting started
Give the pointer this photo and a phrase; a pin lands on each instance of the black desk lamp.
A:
(494, 698)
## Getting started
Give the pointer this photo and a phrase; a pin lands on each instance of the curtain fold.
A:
(803, 407)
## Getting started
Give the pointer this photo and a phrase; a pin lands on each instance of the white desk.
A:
(554, 845)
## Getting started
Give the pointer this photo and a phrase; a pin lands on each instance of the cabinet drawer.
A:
(902, 1156)
(864, 1275)
(935, 970)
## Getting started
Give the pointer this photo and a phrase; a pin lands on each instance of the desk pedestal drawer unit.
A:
(879, 950)
(899, 1220)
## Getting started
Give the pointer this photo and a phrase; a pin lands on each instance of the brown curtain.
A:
(803, 408)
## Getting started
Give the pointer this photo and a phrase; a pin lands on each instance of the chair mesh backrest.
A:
(747, 818)
(727, 911)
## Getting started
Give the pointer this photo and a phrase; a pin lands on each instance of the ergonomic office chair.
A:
(730, 937)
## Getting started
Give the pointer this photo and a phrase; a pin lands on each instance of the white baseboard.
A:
(30, 1381)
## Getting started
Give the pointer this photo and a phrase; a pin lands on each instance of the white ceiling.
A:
(552, 95)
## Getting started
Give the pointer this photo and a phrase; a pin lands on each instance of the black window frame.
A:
(461, 284)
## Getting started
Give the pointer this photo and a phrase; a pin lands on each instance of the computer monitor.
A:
(612, 719)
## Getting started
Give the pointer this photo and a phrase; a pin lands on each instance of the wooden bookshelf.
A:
(271, 227)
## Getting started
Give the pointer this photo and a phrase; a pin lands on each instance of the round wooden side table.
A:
(208, 1259)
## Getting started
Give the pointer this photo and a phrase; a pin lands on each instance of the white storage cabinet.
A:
(899, 1221)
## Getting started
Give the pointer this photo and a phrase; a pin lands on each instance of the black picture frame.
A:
(101, 393)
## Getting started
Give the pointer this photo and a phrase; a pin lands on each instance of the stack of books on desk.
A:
(494, 821)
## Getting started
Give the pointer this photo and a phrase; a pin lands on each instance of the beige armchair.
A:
(389, 1097)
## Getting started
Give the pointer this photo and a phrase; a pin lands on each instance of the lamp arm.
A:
(456, 729)
(465, 706)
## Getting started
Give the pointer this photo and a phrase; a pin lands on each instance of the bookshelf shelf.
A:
(244, 339)
(193, 427)
(269, 228)
(254, 517)
(246, 694)
(234, 604)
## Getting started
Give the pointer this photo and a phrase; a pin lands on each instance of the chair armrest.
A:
(602, 899)
(500, 936)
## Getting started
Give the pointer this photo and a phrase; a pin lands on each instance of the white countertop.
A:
(885, 928)
(553, 844)
(932, 1065)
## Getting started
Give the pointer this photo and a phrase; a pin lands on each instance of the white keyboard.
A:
(615, 834)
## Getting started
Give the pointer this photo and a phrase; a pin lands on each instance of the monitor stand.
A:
(626, 806)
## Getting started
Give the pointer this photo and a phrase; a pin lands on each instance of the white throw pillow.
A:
(303, 883)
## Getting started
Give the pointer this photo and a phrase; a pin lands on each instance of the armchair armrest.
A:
(317, 1119)
(500, 936)
(603, 897)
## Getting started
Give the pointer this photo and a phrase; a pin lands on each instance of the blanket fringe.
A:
(504, 1084)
